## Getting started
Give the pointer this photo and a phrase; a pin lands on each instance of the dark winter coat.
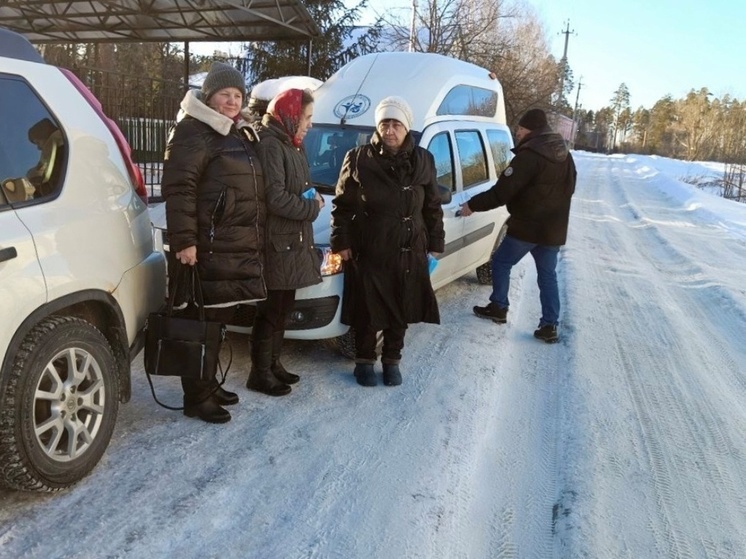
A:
(292, 260)
(536, 188)
(214, 191)
(387, 209)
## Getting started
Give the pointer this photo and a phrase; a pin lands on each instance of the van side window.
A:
(500, 146)
(469, 100)
(440, 147)
(473, 157)
(32, 147)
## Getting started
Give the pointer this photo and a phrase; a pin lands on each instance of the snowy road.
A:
(627, 439)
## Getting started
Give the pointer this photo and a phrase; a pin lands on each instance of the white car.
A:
(78, 272)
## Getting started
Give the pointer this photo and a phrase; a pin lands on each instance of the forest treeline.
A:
(506, 36)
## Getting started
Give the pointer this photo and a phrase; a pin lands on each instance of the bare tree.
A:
(505, 36)
(457, 28)
(519, 54)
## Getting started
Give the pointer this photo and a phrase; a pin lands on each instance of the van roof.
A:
(423, 79)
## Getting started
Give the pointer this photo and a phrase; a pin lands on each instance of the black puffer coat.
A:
(214, 191)
(387, 209)
(292, 261)
(536, 188)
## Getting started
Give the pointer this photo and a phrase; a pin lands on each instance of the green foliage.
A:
(328, 51)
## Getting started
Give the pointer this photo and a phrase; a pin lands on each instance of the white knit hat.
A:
(396, 108)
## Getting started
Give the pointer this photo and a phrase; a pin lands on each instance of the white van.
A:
(459, 115)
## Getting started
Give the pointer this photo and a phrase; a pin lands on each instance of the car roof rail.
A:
(15, 45)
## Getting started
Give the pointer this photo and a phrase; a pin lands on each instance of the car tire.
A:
(44, 402)
(346, 344)
(484, 272)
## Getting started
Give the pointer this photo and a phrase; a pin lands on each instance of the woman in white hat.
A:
(386, 219)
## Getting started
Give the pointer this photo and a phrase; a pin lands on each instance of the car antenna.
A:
(343, 120)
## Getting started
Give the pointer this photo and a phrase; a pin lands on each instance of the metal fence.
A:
(144, 108)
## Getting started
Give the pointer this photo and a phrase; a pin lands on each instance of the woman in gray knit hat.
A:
(215, 211)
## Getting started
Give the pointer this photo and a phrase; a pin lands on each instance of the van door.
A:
(440, 144)
(481, 228)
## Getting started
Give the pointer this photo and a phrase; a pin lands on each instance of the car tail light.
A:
(122, 144)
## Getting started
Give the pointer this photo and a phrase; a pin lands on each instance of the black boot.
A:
(225, 397)
(200, 401)
(261, 378)
(365, 375)
(391, 374)
(277, 368)
(208, 410)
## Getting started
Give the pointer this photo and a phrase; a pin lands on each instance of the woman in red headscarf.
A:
(291, 260)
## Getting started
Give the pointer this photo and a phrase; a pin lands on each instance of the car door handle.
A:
(8, 253)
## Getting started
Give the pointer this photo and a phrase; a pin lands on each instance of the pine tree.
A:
(339, 42)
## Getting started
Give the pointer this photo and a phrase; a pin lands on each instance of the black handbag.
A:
(183, 347)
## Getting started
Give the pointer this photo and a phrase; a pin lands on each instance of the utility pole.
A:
(574, 112)
(412, 26)
(563, 61)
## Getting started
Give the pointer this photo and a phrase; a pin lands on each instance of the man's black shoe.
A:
(547, 333)
(493, 312)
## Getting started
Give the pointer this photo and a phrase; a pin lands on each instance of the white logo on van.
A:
(352, 106)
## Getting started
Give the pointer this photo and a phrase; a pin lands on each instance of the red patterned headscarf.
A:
(287, 108)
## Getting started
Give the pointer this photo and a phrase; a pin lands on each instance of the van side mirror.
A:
(445, 194)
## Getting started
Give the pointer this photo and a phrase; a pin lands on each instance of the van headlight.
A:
(330, 263)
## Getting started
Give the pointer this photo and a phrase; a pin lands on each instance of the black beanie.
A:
(219, 77)
(533, 119)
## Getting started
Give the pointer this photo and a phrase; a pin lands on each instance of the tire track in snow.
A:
(677, 442)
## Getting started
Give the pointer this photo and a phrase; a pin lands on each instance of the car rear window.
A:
(32, 145)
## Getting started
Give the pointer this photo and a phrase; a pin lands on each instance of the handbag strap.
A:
(222, 373)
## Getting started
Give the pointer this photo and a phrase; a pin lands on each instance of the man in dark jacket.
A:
(536, 188)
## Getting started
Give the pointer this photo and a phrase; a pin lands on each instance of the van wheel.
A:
(484, 272)
(59, 407)
(346, 343)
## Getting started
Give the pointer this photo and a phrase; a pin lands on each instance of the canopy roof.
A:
(96, 21)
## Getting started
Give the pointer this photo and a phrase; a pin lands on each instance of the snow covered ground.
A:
(627, 439)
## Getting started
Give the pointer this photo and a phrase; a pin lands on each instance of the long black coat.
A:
(387, 209)
(292, 261)
(214, 191)
(536, 188)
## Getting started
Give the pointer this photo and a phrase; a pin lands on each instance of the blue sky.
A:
(656, 47)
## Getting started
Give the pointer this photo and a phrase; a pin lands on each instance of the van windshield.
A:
(326, 146)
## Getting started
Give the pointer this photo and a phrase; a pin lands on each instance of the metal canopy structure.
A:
(114, 21)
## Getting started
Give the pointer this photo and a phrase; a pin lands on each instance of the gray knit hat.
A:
(219, 77)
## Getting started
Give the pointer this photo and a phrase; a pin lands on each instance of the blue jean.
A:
(507, 255)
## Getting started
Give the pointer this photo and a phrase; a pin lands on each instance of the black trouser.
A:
(366, 341)
(271, 313)
(196, 390)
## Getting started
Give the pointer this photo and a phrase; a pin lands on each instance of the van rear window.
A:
(469, 100)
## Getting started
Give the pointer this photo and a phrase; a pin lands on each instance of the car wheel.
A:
(59, 407)
(484, 272)
(346, 344)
